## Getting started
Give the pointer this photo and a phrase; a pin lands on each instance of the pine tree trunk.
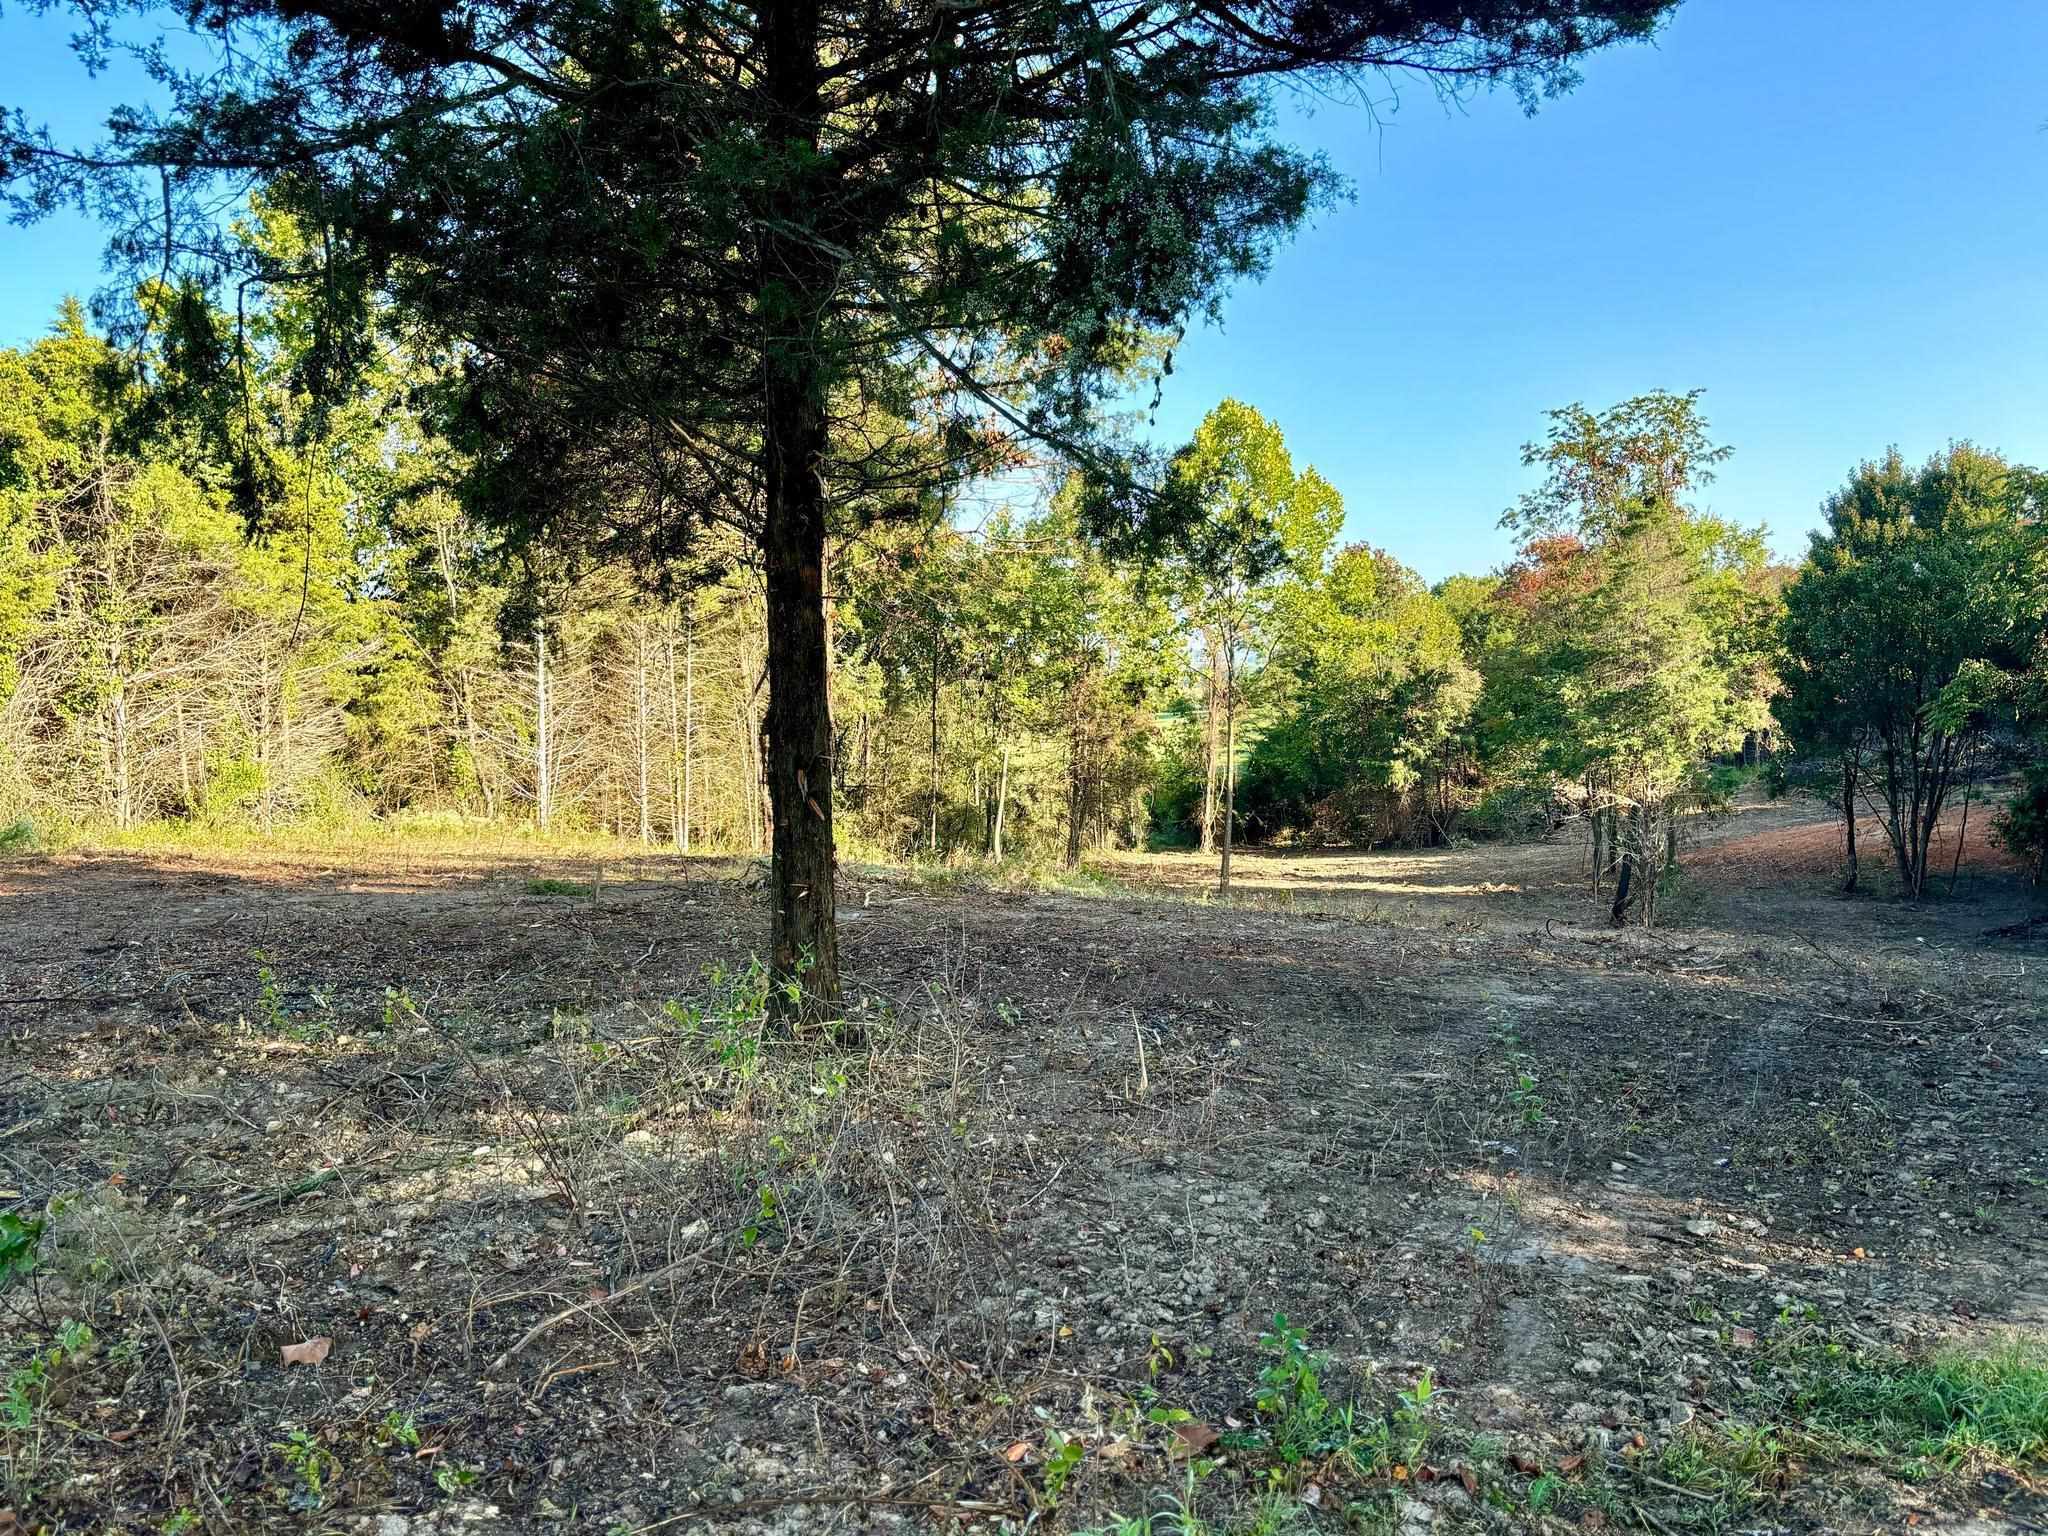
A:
(796, 277)
(689, 720)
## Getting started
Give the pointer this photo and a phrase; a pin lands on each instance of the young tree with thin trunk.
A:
(1257, 523)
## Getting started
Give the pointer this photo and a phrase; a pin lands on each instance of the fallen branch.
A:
(305, 1186)
(1657, 1482)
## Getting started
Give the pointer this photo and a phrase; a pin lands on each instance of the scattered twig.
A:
(632, 1288)
(87, 998)
(1831, 960)
(305, 1186)
(1658, 1482)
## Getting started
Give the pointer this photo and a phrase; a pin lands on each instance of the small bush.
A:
(18, 836)
(2023, 825)
(1513, 811)
(553, 887)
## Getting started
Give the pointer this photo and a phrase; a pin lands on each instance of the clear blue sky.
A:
(1829, 214)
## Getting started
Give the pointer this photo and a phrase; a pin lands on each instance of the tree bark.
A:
(796, 276)
(675, 749)
(1624, 877)
(1634, 835)
(689, 720)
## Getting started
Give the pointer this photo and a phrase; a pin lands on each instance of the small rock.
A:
(1617, 1167)
(1589, 1366)
(1702, 1228)
(1678, 1415)
(639, 1141)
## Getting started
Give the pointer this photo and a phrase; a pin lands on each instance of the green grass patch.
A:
(1729, 1467)
(1915, 1418)
(553, 887)
(1950, 1408)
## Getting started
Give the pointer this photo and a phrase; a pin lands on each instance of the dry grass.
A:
(592, 1261)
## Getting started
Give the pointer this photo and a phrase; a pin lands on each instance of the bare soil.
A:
(588, 1263)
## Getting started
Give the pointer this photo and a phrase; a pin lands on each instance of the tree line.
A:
(1001, 689)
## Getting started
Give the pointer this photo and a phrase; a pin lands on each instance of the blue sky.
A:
(1829, 214)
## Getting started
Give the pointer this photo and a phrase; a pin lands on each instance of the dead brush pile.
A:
(299, 1269)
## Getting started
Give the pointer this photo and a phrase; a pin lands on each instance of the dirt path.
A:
(1593, 1183)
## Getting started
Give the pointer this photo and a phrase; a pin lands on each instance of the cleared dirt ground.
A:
(589, 1263)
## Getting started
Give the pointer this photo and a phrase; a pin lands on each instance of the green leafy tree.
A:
(1256, 525)
(1637, 626)
(1910, 623)
(1379, 697)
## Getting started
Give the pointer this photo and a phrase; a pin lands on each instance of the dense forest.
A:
(220, 613)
